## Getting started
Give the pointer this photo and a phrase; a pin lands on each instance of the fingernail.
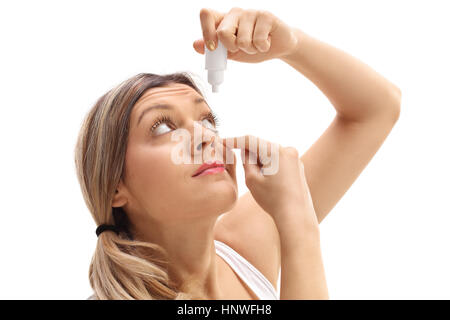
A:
(210, 44)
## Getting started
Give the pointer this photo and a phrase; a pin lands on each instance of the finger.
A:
(260, 147)
(209, 20)
(261, 37)
(244, 38)
(199, 46)
(241, 142)
(248, 142)
(251, 168)
(226, 31)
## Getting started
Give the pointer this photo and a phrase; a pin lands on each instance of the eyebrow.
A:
(167, 106)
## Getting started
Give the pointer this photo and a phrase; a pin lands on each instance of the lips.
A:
(209, 165)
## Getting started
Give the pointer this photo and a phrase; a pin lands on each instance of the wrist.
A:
(293, 54)
(297, 235)
(298, 220)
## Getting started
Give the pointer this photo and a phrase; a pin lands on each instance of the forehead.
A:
(173, 91)
(174, 94)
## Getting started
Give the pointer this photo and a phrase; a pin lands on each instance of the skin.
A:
(275, 223)
(367, 107)
(184, 227)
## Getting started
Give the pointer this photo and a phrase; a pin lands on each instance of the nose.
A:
(204, 144)
(203, 138)
(207, 139)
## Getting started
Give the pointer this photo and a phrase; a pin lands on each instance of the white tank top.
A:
(254, 279)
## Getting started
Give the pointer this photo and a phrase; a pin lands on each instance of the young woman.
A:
(159, 232)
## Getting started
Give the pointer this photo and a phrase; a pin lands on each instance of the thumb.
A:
(199, 46)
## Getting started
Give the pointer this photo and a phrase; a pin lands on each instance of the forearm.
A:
(302, 270)
(356, 91)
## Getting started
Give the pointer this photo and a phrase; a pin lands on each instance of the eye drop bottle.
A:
(216, 63)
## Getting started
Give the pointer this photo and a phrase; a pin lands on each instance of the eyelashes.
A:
(162, 118)
(159, 120)
(215, 120)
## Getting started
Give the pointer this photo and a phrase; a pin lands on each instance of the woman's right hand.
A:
(280, 187)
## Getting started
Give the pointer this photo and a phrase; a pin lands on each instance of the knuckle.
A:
(291, 151)
(266, 15)
(252, 12)
(259, 41)
(236, 9)
(243, 42)
(250, 137)
(275, 146)
(222, 32)
(261, 45)
(252, 142)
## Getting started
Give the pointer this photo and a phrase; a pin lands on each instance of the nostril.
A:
(199, 146)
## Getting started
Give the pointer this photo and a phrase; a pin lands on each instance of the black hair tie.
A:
(106, 227)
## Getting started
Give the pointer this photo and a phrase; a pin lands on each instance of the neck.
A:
(191, 253)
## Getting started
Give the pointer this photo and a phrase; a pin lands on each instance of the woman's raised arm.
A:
(367, 107)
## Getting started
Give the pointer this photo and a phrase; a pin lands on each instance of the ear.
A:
(120, 198)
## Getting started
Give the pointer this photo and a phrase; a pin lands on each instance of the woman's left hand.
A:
(249, 35)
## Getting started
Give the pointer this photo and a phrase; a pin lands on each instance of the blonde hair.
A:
(121, 267)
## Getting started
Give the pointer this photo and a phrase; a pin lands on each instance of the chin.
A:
(218, 197)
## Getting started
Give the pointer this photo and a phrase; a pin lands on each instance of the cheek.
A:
(152, 173)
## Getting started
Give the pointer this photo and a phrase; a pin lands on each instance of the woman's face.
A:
(155, 186)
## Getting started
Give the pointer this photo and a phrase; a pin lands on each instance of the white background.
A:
(388, 237)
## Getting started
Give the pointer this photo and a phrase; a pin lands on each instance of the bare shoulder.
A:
(251, 232)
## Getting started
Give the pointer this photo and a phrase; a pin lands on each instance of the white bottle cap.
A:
(215, 77)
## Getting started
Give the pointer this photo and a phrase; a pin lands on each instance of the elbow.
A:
(396, 95)
(389, 105)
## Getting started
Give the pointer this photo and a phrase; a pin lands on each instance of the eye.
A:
(213, 120)
(211, 124)
(161, 122)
